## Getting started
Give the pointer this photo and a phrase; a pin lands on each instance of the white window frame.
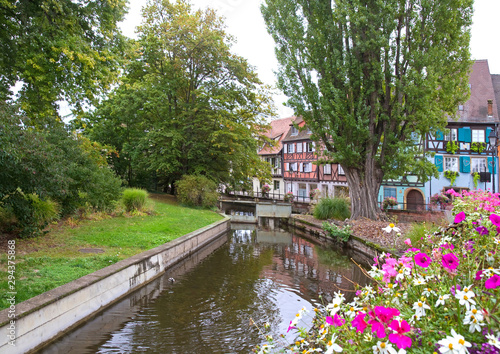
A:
(451, 163)
(478, 135)
(293, 167)
(327, 169)
(308, 167)
(478, 164)
(452, 135)
(294, 131)
(299, 147)
(291, 148)
(311, 147)
(341, 170)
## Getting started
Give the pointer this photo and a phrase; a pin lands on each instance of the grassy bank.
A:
(71, 251)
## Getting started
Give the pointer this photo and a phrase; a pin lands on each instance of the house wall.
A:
(401, 194)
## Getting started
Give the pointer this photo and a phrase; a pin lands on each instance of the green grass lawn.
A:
(48, 261)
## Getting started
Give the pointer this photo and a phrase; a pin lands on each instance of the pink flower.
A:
(338, 321)
(492, 282)
(478, 275)
(290, 327)
(422, 260)
(495, 219)
(450, 261)
(399, 338)
(408, 242)
(381, 318)
(459, 217)
(482, 230)
(359, 322)
(329, 320)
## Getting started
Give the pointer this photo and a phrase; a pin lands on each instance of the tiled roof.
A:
(303, 133)
(475, 110)
(496, 88)
(279, 128)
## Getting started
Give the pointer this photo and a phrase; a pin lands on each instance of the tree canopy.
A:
(186, 105)
(372, 77)
(57, 50)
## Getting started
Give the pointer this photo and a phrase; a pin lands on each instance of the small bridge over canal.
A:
(254, 211)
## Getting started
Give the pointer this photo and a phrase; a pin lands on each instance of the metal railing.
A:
(272, 195)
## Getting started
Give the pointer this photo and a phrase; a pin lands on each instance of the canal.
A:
(209, 302)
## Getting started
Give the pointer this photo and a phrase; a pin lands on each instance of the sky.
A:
(244, 21)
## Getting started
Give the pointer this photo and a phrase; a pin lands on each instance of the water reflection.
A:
(251, 275)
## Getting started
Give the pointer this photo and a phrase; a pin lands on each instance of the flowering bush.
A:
(288, 197)
(442, 298)
(440, 199)
(389, 202)
(266, 188)
(314, 193)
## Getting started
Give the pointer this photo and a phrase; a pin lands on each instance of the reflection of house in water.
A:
(316, 270)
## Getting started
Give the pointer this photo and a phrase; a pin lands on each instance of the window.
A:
(390, 192)
(294, 130)
(327, 169)
(341, 170)
(299, 147)
(460, 107)
(276, 185)
(308, 167)
(478, 165)
(293, 167)
(452, 135)
(451, 164)
(310, 146)
(287, 167)
(478, 136)
(291, 148)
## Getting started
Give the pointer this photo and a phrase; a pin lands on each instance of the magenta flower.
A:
(338, 321)
(450, 261)
(359, 322)
(493, 282)
(478, 275)
(482, 230)
(290, 327)
(495, 219)
(422, 260)
(459, 217)
(452, 289)
(329, 320)
(398, 338)
(408, 242)
(381, 317)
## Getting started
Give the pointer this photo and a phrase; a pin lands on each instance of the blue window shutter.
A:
(464, 135)
(438, 160)
(439, 135)
(465, 164)
(490, 165)
(488, 131)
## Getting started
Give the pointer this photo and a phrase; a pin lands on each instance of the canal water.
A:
(218, 300)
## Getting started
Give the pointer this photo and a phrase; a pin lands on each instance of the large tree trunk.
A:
(364, 184)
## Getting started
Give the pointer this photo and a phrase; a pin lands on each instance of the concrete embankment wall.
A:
(49, 315)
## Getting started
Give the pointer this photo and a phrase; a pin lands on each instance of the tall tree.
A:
(369, 75)
(195, 107)
(58, 50)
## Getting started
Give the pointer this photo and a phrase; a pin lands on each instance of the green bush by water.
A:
(197, 191)
(134, 199)
(332, 208)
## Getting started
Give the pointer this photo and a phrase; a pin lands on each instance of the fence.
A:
(270, 195)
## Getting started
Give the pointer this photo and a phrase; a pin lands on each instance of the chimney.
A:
(490, 108)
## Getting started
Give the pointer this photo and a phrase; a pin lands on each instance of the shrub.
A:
(289, 197)
(332, 208)
(337, 233)
(197, 191)
(389, 202)
(134, 199)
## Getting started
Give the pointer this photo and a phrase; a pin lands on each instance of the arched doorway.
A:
(415, 200)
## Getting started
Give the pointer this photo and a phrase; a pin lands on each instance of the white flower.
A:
(490, 258)
(396, 297)
(419, 281)
(353, 310)
(454, 344)
(334, 306)
(478, 314)
(402, 272)
(384, 348)
(465, 297)
(265, 349)
(390, 228)
(375, 272)
(442, 299)
(332, 346)
(493, 340)
(420, 307)
(428, 292)
(474, 324)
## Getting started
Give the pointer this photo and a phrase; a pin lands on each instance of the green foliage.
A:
(451, 175)
(53, 164)
(332, 208)
(370, 79)
(475, 178)
(44, 211)
(477, 147)
(197, 191)
(419, 231)
(134, 199)
(337, 233)
(187, 105)
(60, 50)
(452, 147)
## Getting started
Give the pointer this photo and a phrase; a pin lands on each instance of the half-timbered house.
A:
(301, 172)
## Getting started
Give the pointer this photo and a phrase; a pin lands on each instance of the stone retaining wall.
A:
(51, 314)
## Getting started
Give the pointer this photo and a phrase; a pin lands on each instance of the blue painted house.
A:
(462, 150)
